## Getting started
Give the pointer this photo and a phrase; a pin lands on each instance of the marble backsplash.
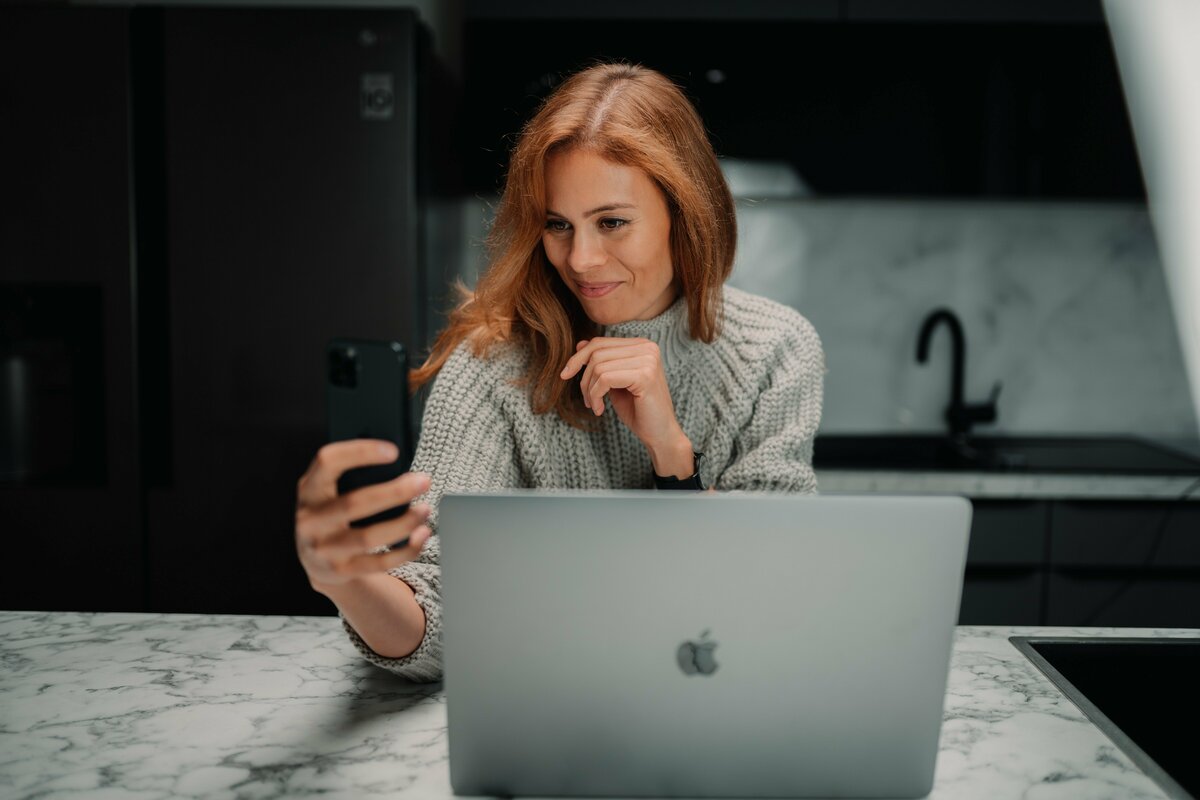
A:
(1064, 304)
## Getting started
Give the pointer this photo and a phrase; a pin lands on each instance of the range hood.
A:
(1159, 64)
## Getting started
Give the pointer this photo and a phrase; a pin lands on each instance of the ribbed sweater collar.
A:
(669, 330)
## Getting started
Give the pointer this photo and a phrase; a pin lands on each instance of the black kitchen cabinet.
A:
(1131, 563)
(70, 486)
(913, 107)
(1083, 562)
(1004, 579)
(291, 208)
(211, 194)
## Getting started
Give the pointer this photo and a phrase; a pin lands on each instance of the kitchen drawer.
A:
(1125, 534)
(1008, 533)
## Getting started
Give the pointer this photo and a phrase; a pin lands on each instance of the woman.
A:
(600, 349)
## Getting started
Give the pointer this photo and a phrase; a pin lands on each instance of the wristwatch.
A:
(687, 483)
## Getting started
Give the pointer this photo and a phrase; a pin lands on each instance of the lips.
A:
(596, 289)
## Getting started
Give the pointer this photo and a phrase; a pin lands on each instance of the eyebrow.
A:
(598, 209)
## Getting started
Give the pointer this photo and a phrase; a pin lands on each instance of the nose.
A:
(587, 251)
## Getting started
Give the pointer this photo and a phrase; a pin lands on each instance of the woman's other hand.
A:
(331, 552)
(630, 371)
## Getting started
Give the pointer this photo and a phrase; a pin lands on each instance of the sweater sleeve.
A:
(466, 444)
(773, 451)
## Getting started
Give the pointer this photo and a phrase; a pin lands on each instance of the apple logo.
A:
(697, 657)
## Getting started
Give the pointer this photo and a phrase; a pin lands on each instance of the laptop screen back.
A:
(674, 644)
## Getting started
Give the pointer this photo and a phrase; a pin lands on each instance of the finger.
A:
(352, 542)
(585, 384)
(338, 513)
(368, 500)
(643, 361)
(612, 379)
(621, 348)
(578, 346)
(583, 352)
(575, 361)
(608, 355)
(368, 563)
(319, 482)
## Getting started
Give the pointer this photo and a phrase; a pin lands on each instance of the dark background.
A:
(194, 204)
(905, 108)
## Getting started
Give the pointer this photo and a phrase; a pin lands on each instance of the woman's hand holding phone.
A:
(331, 551)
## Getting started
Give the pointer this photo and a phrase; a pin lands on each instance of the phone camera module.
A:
(343, 367)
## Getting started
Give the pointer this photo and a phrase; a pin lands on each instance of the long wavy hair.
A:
(630, 115)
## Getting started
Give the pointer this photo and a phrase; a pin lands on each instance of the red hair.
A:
(630, 115)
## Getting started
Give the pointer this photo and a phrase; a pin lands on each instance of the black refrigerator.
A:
(195, 201)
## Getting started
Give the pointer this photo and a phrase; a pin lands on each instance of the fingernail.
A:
(388, 450)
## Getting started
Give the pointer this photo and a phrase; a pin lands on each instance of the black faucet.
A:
(959, 415)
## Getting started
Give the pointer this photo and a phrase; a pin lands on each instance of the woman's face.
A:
(608, 235)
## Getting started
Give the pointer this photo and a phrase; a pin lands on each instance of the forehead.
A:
(582, 176)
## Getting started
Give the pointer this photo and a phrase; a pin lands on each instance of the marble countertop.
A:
(991, 485)
(184, 705)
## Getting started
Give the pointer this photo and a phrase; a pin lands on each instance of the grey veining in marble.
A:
(221, 706)
(161, 705)
(1065, 304)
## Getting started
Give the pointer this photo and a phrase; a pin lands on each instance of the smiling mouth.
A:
(596, 289)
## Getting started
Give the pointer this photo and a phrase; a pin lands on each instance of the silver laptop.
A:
(672, 644)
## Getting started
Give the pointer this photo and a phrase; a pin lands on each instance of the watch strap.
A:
(672, 482)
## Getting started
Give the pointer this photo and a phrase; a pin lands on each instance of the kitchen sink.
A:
(1119, 455)
(1141, 692)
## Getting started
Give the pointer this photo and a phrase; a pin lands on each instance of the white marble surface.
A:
(1065, 304)
(115, 705)
(1010, 485)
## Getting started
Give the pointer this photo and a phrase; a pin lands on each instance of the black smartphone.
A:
(367, 398)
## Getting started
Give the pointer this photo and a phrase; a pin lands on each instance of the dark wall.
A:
(1001, 109)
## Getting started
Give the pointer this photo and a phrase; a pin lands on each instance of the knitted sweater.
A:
(750, 401)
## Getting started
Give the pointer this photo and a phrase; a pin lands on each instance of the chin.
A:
(605, 312)
(602, 317)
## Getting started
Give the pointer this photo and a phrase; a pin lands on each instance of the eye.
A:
(620, 223)
(551, 223)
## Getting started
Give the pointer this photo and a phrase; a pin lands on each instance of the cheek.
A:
(552, 251)
(631, 249)
(645, 255)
